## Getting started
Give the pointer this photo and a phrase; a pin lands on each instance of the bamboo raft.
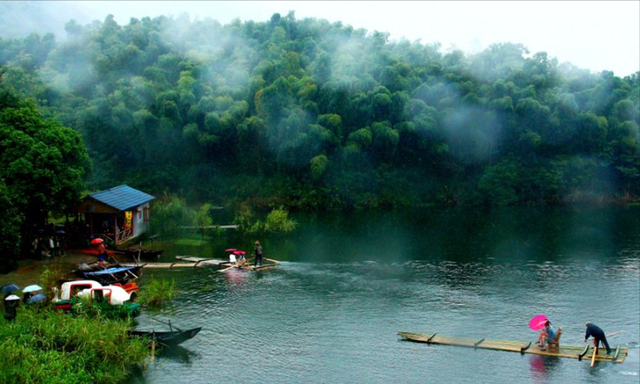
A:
(569, 351)
(250, 267)
(185, 262)
(200, 261)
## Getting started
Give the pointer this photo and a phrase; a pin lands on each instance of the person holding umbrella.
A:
(547, 335)
(28, 292)
(598, 336)
(102, 250)
(10, 304)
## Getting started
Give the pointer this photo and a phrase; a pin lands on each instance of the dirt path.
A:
(30, 273)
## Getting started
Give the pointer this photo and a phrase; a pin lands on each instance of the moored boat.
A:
(167, 338)
(584, 352)
(120, 275)
(109, 300)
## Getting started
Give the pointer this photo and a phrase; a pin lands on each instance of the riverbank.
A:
(29, 271)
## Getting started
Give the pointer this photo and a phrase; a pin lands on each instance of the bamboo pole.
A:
(593, 358)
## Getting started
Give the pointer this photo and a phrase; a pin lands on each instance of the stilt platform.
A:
(584, 352)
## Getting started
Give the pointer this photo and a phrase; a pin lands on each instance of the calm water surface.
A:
(331, 312)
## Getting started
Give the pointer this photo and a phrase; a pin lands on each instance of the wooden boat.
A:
(569, 351)
(119, 275)
(167, 338)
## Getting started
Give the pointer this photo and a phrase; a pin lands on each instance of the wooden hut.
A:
(120, 213)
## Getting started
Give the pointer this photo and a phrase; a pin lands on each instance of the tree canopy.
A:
(311, 114)
(42, 169)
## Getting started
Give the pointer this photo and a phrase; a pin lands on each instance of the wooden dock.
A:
(185, 262)
(584, 352)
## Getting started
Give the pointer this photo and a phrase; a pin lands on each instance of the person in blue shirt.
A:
(598, 336)
(547, 335)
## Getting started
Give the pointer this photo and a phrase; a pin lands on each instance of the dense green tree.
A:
(42, 167)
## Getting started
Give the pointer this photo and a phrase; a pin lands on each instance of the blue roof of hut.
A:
(122, 197)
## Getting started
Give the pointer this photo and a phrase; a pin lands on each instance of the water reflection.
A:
(542, 368)
(235, 277)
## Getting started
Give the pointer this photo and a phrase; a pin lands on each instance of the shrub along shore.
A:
(46, 346)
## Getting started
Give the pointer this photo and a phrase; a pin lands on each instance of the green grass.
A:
(48, 346)
(155, 293)
(190, 242)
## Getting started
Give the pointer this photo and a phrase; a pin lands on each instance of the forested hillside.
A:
(317, 115)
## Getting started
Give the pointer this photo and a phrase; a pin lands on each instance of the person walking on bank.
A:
(257, 253)
(598, 336)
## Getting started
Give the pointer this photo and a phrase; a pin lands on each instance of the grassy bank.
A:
(47, 346)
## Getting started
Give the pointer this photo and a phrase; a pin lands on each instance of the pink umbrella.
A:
(230, 250)
(239, 252)
(537, 322)
(97, 240)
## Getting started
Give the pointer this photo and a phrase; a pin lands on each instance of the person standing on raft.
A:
(598, 336)
(257, 253)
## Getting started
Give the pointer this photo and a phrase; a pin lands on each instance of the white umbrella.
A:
(12, 298)
(32, 288)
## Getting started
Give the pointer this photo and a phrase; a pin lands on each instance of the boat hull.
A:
(167, 338)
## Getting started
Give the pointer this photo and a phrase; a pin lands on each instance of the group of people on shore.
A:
(47, 246)
(549, 336)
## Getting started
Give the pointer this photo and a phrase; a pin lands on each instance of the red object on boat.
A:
(239, 252)
(537, 322)
(129, 287)
(97, 240)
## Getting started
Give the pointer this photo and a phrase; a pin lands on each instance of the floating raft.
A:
(185, 262)
(570, 351)
(250, 267)
(200, 261)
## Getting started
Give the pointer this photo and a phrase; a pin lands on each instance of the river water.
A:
(348, 283)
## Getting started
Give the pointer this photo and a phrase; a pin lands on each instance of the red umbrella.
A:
(97, 240)
(239, 252)
(537, 322)
(230, 250)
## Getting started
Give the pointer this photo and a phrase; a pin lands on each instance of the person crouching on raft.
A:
(598, 336)
(547, 335)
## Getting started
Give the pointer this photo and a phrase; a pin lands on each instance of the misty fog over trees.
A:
(316, 115)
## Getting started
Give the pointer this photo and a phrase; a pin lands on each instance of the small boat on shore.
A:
(110, 300)
(584, 352)
(120, 275)
(167, 338)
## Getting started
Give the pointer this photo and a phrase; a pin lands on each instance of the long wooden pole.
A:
(593, 358)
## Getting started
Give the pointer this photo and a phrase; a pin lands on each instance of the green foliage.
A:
(42, 165)
(312, 114)
(169, 214)
(278, 221)
(156, 293)
(48, 346)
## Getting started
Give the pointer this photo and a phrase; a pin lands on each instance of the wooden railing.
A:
(124, 235)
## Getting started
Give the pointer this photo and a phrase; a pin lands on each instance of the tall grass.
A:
(53, 347)
(157, 292)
